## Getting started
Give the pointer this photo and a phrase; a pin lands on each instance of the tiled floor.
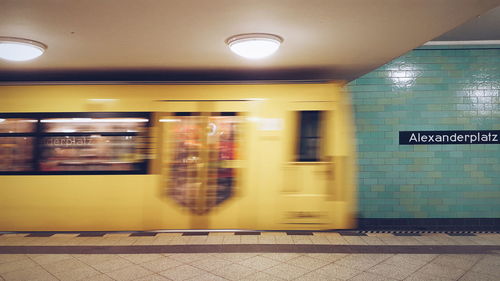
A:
(266, 256)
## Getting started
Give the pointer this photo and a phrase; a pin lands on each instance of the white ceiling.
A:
(484, 27)
(184, 39)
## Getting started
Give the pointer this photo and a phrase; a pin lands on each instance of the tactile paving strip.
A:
(253, 248)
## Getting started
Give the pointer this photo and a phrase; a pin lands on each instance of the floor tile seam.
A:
(467, 238)
(392, 278)
(50, 273)
(482, 241)
(215, 275)
(484, 273)
(159, 273)
(73, 256)
(429, 262)
(380, 240)
(258, 270)
(17, 269)
(482, 258)
(436, 241)
(467, 271)
(132, 264)
(425, 264)
(281, 263)
(329, 263)
(107, 274)
(53, 274)
(339, 265)
(361, 272)
(415, 269)
(194, 265)
(13, 260)
(374, 264)
(35, 264)
(232, 263)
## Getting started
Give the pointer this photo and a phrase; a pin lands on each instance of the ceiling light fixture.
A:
(19, 49)
(254, 45)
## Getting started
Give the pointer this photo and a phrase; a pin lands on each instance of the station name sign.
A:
(69, 141)
(449, 137)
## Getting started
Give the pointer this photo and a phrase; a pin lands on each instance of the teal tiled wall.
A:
(430, 88)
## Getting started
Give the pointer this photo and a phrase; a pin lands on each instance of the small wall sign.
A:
(449, 137)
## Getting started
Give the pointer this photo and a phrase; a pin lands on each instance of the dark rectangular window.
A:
(16, 144)
(74, 143)
(309, 136)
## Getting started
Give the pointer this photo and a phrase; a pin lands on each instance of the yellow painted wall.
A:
(138, 202)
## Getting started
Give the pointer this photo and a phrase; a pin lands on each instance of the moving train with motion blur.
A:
(150, 157)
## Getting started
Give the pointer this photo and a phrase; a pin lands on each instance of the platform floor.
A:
(147, 256)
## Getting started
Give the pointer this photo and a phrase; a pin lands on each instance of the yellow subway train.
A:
(150, 157)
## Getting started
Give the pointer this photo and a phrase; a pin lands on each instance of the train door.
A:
(311, 179)
(202, 155)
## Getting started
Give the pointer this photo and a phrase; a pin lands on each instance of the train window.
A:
(85, 125)
(309, 136)
(17, 125)
(16, 144)
(69, 143)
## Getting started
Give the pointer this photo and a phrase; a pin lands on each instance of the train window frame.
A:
(38, 135)
(302, 138)
(21, 134)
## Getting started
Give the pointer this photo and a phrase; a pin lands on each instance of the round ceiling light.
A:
(18, 49)
(254, 45)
